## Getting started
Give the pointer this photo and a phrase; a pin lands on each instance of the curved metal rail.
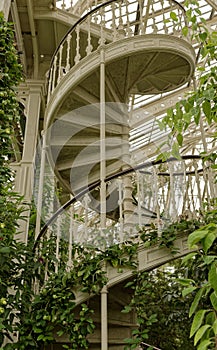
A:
(94, 185)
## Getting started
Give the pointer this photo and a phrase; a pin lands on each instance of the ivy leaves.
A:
(10, 71)
(12, 253)
(204, 325)
(201, 103)
(10, 76)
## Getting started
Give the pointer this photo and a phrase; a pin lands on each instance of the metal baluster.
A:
(192, 184)
(167, 204)
(146, 16)
(90, 5)
(174, 23)
(79, 10)
(149, 194)
(198, 185)
(206, 187)
(120, 205)
(46, 264)
(36, 280)
(71, 6)
(213, 182)
(114, 27)
(121, 31)
(210, 181)
(160, 193)
(86, 209)
(50, 84)
(172, 192)
(58, 243)
(78, 56)
(89, 47)
(179, 183)
(139, 199)
(142, 188)
(63, 4)
(185, 188)
(129, 31)
(69, 263)
(54, 73)
(179, 23)
(188, 193)
(142, 29)
(170, 23)
(182, 21)
(60, 72)
(102, 25)
(163, 200)
(155, 200)
(85, 7)
(95, 17)
(154, 26)
(51, 182)
(69, 37)
(164, 18)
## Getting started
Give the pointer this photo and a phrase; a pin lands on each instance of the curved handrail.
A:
(80, 20)
(55, 70)
(92, 186)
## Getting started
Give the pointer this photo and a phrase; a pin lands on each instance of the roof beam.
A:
(212, 3)
(34, 38)
(19, 37)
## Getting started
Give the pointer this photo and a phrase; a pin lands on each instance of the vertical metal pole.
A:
(104, 318)
(138, 178)
(102, 143)
(40, 186)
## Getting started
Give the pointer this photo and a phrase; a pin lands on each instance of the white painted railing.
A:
(162, 193)
(109, 22)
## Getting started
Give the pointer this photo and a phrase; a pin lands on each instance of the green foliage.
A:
(10, 76)
(204, 305)
(12, 253)
(162, 312)
(199, 107)
(203, 101)
(53, 311)
(169, 234)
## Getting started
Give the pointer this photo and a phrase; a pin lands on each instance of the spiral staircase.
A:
(107, 72)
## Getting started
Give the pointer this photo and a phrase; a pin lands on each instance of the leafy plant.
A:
(204, 306)
(162, 312)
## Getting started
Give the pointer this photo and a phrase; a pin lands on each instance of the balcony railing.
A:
(161, 193)
(112, 21)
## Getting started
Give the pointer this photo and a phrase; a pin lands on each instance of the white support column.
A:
(5, 8)
(104, 315)
(25, 174)
(102, 142)
(128, 207)
(104, 318)
(40, 186)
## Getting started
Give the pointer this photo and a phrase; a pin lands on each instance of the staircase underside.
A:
(147, 64)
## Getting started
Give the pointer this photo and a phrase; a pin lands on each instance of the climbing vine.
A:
(10, 210)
